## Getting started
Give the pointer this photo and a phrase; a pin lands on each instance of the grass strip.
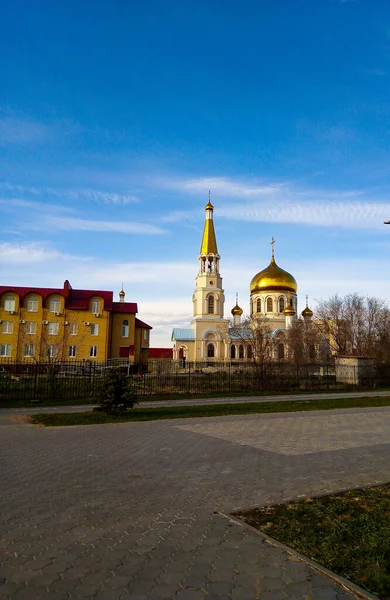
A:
(348, 533)
(217, 410)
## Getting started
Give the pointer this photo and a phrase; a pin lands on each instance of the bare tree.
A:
(305, 343)
(254, 334)
(355, 325)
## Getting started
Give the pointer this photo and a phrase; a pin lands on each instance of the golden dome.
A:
(237, 310)
(209, 206)
(307, 312)
(273, 278)
(122, 293)
(289, 311)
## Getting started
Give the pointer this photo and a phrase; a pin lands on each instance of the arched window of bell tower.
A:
(210, 305)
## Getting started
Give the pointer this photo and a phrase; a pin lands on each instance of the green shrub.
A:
(115, 393)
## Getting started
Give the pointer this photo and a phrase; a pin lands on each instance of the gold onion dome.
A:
(289, 311)
(122, 294)
(307, 312)
(237, 310)
(273, 278)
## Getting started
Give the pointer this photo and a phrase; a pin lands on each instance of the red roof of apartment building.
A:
(74, 298)
(140, 324)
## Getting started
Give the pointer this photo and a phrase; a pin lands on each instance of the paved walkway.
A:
(131, 511)
(205, 401)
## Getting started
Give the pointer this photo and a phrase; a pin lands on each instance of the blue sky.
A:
(116, 118)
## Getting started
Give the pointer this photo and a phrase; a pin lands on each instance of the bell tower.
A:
(208, 298)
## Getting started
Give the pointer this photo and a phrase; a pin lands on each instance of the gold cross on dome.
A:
(273, 247)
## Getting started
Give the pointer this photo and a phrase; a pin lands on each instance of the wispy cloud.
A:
(69, 223)
(105, 197)
(21, 131)
(10, 204)
(220, 185)
(289, 203)
(29, 252)
(98, 196)
(377, 72)
(359, 215)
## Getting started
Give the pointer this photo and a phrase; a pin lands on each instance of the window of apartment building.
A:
(96, 306)
(55, 305)
(32, 304)
(72, 351)
(52, 328)
(31, 327)
(93, 351)
(125, 328)
(7, 327)
(95, 329)
(5, 349)
(29, 350)
(145, 335)
(52, 351)
(9, 303)
(73, 328)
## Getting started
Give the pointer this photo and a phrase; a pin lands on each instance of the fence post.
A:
(229, 380)
(35, 381)
(189, 377)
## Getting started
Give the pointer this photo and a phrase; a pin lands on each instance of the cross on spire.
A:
(273, 246)
(237, 298)
(307, 301)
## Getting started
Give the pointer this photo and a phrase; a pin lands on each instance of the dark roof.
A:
(140, 324)
(124, 307)
(74, 299)
(23, 291)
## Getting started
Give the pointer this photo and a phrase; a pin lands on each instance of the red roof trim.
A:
(141, 325)
(74, 298)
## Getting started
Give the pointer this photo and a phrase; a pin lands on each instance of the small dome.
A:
(122, 294)
(307, 312)
(273, 278)
(289, 311)
(237, 310)
(209, 206)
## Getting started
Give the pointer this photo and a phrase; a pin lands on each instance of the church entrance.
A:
(210, 351)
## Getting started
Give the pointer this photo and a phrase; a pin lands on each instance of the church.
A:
(210, 336)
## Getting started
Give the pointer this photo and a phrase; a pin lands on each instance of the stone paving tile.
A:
(132, 510)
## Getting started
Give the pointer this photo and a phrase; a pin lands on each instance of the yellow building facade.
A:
(70, 324)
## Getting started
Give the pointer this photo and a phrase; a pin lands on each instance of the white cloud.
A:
(20, 131)
(26, 253)
(69, 223)
(99, 196)
(219, 185)
(359, 215)
(103, 197)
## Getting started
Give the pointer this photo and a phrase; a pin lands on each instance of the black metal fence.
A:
(59, 382)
